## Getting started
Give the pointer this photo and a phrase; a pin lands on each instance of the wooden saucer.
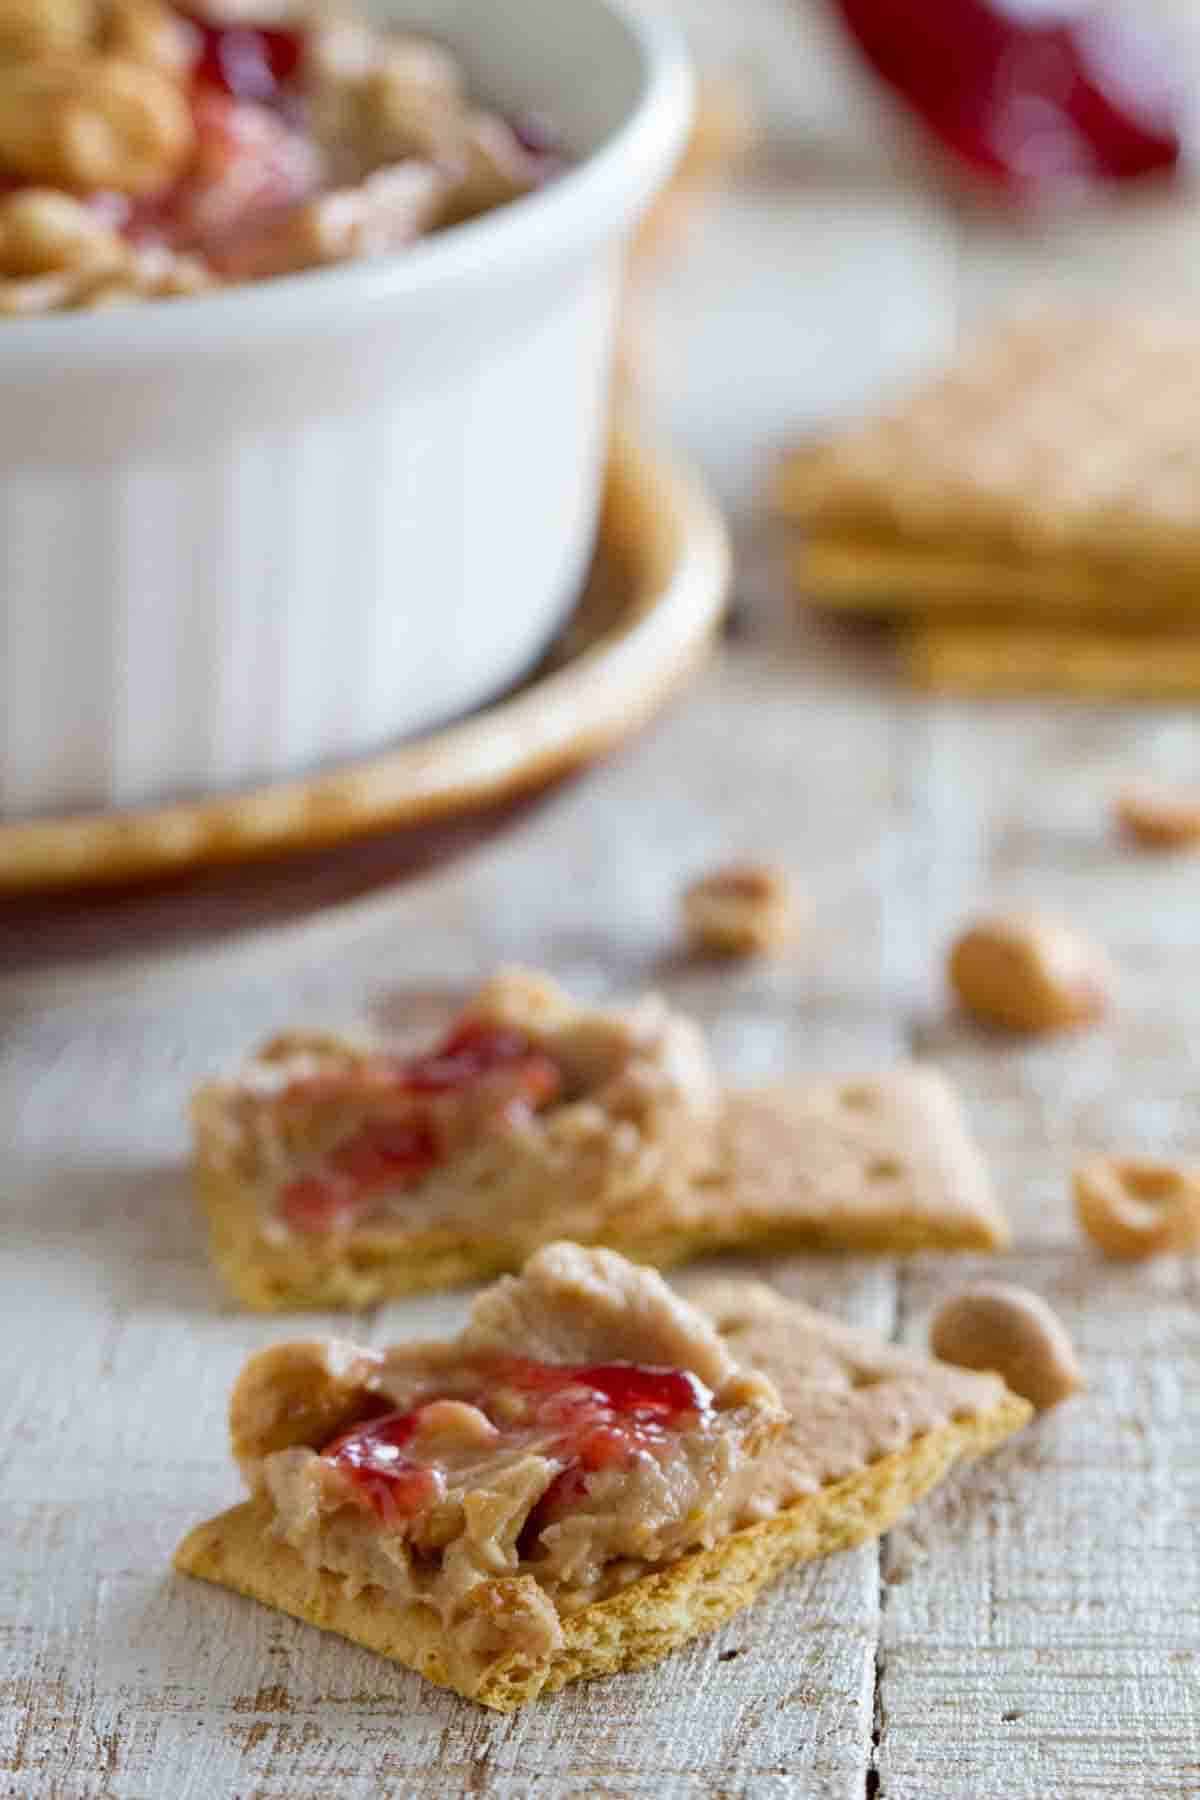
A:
(650, 607)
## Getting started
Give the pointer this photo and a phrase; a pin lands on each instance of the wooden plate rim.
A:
(661, 524)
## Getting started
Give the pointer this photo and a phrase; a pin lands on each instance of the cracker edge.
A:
(270, 1278)
(640, 1625)
(952, 581)
(267, 1279)
(983, 659)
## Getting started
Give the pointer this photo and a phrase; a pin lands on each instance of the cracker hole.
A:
(859, 1099)
(885, 1168)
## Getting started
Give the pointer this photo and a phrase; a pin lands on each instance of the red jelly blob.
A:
(247, 62)
(383, 1153)
(317, 1203)
(247, 165)
(372, 1455)
(401, 1146)
(609, 1413)
(597, 1416)
(476, 1049)
(385, 1150)
(1030, 96)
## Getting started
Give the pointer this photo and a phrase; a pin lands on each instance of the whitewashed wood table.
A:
(1034, 1629)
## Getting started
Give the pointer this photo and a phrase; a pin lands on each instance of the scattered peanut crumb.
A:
(1157, 816)
(1134, 1207)
(1030, 974)
(1013, 1332)
(743, 909)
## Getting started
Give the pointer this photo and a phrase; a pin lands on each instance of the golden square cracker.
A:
(874, 1428)
(1018, 659)
(1056, 459)
(882, 1162)
(936, 583)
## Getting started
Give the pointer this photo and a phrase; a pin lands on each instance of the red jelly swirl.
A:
(588, 1417)
(401, 1146)
(247, 62)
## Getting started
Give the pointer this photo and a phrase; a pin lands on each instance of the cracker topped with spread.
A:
(338, 1174)
(592, 1473)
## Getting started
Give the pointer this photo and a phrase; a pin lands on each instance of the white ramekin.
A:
(283, 525)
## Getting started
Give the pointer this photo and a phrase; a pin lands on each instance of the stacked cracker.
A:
(1031, 518)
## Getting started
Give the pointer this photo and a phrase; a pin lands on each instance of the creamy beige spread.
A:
(586, 1425)
(595, 1111)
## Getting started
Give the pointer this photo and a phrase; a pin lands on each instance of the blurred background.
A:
(860, 247)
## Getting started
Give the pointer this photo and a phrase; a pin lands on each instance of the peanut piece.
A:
(1134, 1207)
(378, 101)
(379, 215)
(33, 29)
(27, 296)
(296, 1393)
(1156, 816)
(739, 910)
(161, 274)
(1025, 973)
(147, 31)
(453, 1424)
(491, 166)
(105, 296)
(1012, 1332)
(288, 1044)
(44, 232)
(92, 122)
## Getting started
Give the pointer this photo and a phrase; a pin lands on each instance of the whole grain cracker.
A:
(879, 1162)
(945, 580)
(1067, 433)
(1022, 659)
(857, 1393)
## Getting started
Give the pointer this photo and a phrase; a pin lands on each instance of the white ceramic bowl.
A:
(283, 525)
